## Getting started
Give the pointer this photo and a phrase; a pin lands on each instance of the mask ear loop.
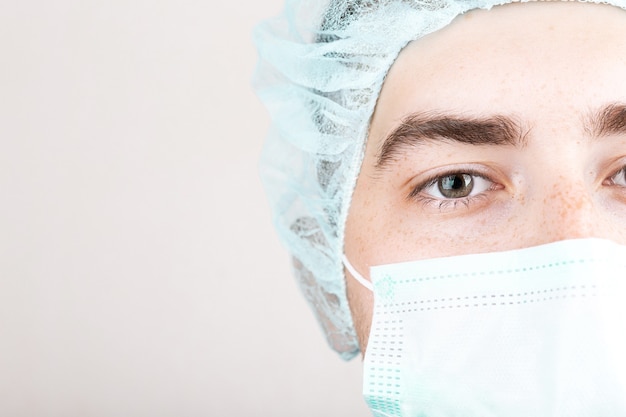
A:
(367, 284)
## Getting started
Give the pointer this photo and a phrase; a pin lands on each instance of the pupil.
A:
(456, 185)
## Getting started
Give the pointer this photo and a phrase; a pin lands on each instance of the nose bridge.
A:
(569, 210)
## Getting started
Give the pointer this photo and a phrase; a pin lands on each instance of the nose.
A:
(568, 209)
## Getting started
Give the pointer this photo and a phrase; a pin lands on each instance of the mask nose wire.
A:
(367, 284)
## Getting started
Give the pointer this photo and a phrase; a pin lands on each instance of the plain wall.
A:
(139, 272)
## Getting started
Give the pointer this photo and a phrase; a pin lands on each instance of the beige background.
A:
(139, 275)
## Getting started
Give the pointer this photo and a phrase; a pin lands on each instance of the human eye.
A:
(618, 178)
(449, 190)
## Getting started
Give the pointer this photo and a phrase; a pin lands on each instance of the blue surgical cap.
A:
(321, 68)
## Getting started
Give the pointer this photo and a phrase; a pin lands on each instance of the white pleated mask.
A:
(533, 332)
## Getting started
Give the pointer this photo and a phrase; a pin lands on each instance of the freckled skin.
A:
(547, 64)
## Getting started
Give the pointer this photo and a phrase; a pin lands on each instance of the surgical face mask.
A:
(534, 332)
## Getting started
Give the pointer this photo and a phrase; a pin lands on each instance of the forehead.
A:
(507, 59)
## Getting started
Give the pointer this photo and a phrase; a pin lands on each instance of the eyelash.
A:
(611, 179)
(448, 203)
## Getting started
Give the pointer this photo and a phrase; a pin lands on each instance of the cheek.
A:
(390, 244)
(368, 230)
(389, 238)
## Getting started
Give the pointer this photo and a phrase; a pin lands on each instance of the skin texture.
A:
(550, 67)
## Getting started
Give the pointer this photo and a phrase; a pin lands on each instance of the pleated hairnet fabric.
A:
(321, 68)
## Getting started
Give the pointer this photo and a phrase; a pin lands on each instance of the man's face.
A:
(506, 129)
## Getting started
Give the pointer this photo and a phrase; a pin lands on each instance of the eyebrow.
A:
(609, 120)
(420, 128)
